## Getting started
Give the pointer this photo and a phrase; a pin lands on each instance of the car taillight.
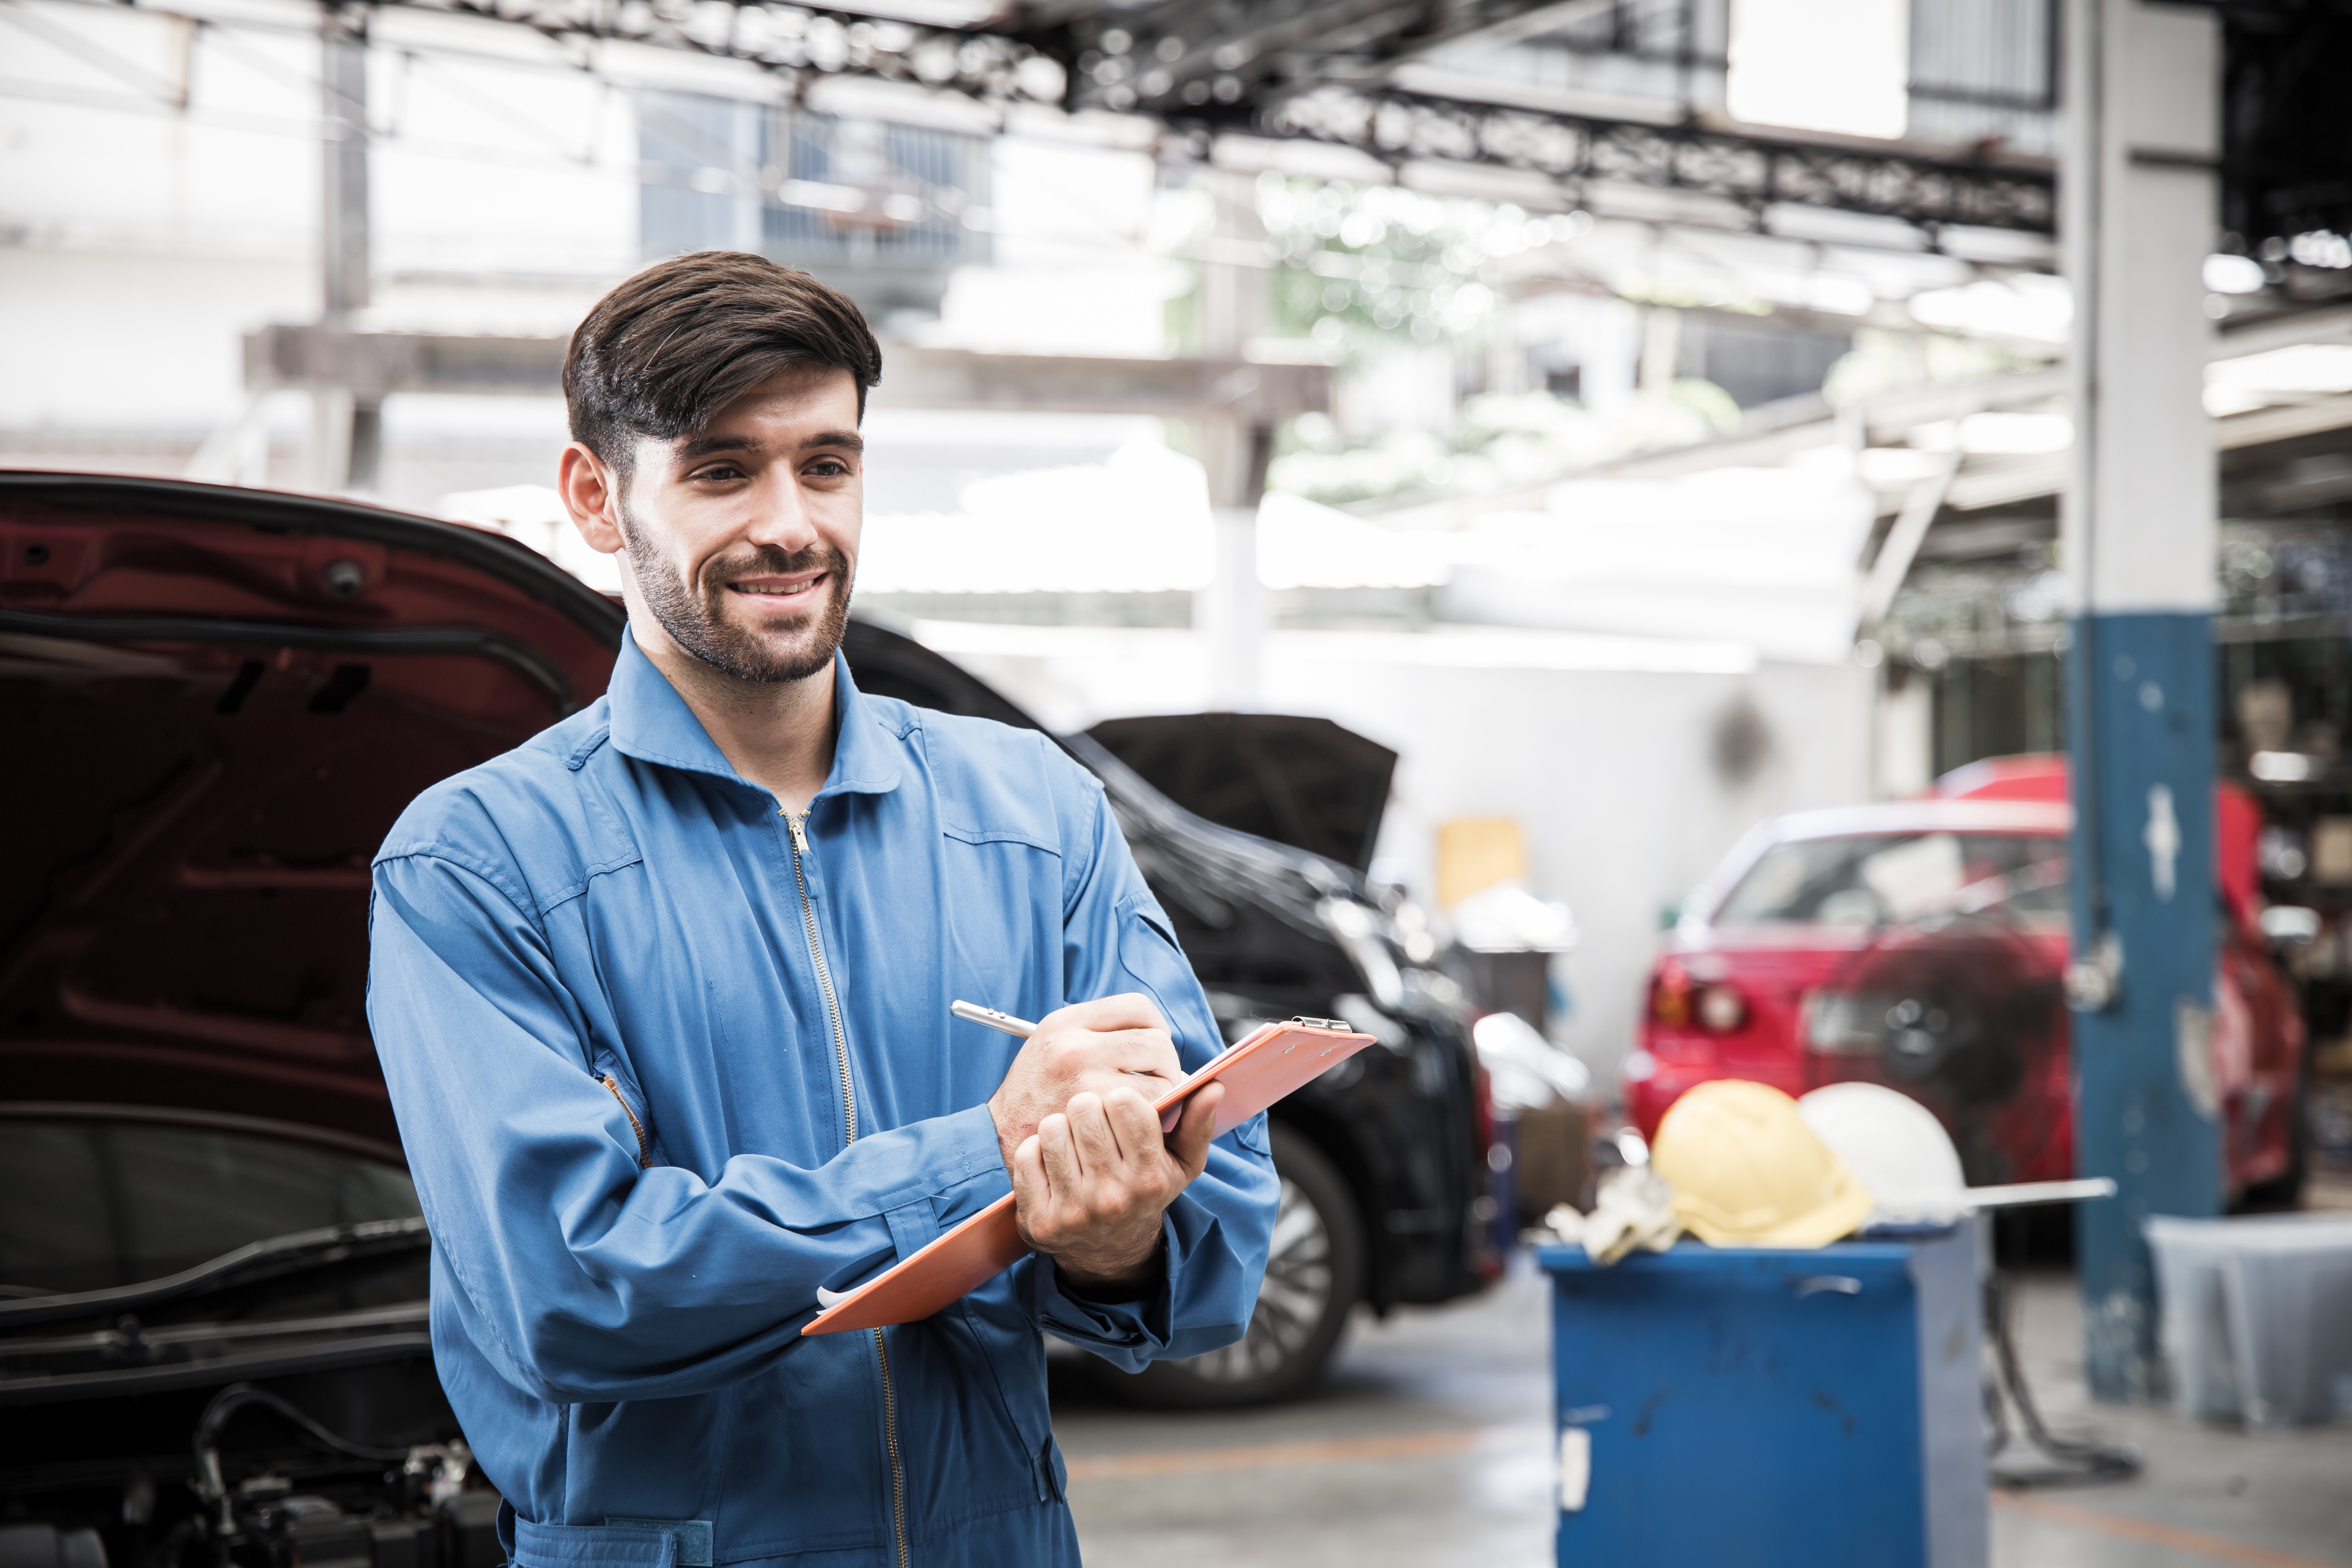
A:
(1721, 1009)
(1670, 995)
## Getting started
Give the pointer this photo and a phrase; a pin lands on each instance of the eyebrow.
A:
(704, 446)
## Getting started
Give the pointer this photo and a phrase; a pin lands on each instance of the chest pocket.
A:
(1001, 888)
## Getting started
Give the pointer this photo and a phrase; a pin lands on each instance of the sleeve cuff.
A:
(1127, 1333)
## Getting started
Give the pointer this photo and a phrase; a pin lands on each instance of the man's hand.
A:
(1090, 1186)
(1091, 1172)
(1087, 1047)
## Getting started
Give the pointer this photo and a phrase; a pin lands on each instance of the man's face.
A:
(743, 537)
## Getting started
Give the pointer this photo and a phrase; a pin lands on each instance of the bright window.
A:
(1821, 65)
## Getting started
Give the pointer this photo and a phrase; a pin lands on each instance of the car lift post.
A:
(2139, 532)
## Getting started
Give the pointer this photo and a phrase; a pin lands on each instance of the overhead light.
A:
(1888, 468)
(2233, 274)
(1995, 434)
(2304, 367)
(823, 196)
(2040, 309)
(2283, 767)
(1839, 296)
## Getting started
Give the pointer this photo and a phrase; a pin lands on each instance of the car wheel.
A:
(1314, 1276)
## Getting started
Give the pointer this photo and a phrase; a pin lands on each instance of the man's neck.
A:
(777, 734)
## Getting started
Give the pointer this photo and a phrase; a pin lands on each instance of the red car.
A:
(1922, 944)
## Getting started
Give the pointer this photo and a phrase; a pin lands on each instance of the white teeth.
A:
(773, 593)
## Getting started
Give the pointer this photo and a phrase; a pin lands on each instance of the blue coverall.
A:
(666, 1061)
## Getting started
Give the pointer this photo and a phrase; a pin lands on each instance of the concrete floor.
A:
(1430, 1447)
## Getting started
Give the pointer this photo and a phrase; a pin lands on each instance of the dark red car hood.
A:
(218, 701)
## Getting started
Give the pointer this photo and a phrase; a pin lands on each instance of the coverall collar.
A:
(651, 723)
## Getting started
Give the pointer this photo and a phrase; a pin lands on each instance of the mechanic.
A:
(662, 1000)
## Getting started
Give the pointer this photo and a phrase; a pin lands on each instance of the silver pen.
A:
(990, 1018)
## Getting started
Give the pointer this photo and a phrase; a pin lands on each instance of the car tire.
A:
(1314, 1277)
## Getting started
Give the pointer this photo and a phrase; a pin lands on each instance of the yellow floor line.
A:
(2195, 1542)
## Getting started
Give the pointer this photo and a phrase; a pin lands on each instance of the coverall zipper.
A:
(849, 1135)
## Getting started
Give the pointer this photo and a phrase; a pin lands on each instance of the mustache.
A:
(767, 560)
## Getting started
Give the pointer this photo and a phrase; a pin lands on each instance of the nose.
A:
(780, 515)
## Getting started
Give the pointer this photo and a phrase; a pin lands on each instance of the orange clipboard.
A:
(1256, 1071)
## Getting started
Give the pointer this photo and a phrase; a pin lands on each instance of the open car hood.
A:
(219, 701)
(1303, 782)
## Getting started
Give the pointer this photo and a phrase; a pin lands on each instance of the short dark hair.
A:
(662, 354)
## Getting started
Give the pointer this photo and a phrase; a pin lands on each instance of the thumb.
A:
(1188, 1145)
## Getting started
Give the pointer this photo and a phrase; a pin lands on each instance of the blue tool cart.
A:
(1733, 1405)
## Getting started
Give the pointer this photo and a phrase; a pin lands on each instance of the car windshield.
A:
(1872, 878)
(93, 1205)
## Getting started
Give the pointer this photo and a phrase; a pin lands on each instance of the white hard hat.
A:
(1895, 1146)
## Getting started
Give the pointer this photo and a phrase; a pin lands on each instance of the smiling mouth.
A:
(777, 590)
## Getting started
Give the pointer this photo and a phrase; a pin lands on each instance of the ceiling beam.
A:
(1929, 193)
(1227, 65)
(379, 364)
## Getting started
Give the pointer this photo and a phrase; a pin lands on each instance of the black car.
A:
(1383, 1160)
(213, 1269)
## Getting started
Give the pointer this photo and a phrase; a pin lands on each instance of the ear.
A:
(592, 495)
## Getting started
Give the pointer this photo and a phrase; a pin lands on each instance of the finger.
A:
(1134, 1050)
(1090, 1135)
(1061, 1159)
(1133, 1122)
(1102, 1070)
(1032, 1196)
(1081, 1053)
(1189, 1145)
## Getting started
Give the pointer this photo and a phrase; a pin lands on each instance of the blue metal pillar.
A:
(2143, 840)
(2139, 537)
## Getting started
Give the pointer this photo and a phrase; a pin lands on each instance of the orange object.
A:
(1256, 1072)
(1475, 853)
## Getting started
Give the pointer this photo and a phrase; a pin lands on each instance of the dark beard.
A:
(694, 615)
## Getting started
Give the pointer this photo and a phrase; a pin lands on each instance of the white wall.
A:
(1612, 778)
(117, 339)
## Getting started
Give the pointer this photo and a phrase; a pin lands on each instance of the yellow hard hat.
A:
(1748, 1172)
